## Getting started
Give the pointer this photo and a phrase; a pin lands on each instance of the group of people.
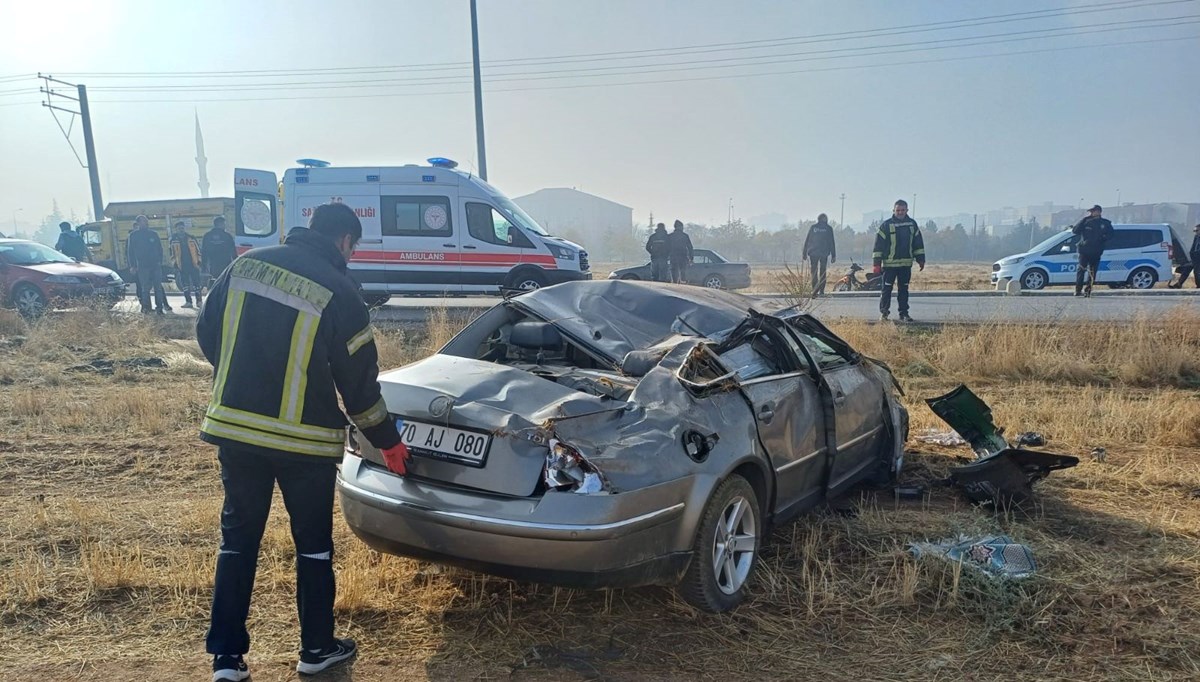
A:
(196, 264)
(898, 244)
(670, 253)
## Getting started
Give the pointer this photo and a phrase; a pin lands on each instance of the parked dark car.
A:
(34, 277)
(614, 433)
(708, 269)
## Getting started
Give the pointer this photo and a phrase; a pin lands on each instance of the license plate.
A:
(444, 443)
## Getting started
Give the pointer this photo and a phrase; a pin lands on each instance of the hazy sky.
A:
(1042, 123)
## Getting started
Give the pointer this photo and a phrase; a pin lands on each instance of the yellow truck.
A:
(107, 238)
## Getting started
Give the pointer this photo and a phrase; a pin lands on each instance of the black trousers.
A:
(660, 270)
(149, 277)
(1087, 262)
(189, 283)
(679, 268)
(818, 279)
(1183, 271)
(899, 277)
(249, 479)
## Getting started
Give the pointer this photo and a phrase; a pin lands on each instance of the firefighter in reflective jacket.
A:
(286, 333)
(897, 244)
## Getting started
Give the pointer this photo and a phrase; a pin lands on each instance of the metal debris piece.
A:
(996, 556)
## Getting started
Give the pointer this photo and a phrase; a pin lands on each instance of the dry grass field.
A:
(935, 277)
(111, 512)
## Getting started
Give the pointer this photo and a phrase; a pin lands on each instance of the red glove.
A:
(877, 269)
(396, 458)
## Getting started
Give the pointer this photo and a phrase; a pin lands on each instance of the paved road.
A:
(976, 307)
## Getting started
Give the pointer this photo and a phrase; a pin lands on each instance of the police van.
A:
(426, 229)
(1136, 256)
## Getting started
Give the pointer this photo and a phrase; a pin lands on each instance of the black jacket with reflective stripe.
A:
(286, 332)
(898, 243)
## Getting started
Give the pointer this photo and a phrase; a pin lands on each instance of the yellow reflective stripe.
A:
(359, 340)
(282, 280)
(892, 251)
(263, 422)
(269, 440)
(229, 331)
(372, 417)
(295, 381)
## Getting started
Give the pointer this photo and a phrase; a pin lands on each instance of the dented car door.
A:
(858, 407)
(788, 411)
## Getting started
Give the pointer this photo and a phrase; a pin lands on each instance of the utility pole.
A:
(914, 206)
(1118, 197)
(478, 95)
(85, 117)
(842, 218)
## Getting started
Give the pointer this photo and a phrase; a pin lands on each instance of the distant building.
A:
(873, 216)
(562, 210)
(1181, 216)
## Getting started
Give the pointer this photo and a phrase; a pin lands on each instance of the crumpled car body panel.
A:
(719, 388)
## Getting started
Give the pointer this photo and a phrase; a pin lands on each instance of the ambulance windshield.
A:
(519, 217)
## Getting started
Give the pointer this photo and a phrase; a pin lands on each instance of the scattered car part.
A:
(1000, 475)
(997, 556)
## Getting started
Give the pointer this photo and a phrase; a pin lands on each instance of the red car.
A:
(34, 277)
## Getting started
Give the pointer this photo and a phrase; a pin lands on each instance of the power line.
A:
(661, 52)
(667, 81)
(815, 55)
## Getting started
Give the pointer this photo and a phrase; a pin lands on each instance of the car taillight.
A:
(1170, 250)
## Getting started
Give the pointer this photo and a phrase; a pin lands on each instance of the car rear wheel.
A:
(1034, 279)
(714, 281)
(1142, 278)
(29, 301)
(725, 552)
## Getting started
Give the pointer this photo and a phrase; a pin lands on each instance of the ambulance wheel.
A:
(526, 280)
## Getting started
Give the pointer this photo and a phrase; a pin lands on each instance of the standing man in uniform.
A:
(818, 249)
(1094, 232)
(145, 261)
(659, 248)
(681, 253)
(897, 244)
(1192, 267)
(216, 250)
(185, 256)
(71, 244)
(287, 333)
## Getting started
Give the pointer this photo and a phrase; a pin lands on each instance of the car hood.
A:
(77, 269)
(614, 317)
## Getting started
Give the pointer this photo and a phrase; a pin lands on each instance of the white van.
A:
(426, 229)
(1137, 256)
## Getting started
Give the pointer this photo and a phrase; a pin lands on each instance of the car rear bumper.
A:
(624, 539)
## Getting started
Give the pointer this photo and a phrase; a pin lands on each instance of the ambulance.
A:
(426, 229)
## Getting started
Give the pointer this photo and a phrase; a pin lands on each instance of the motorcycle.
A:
(850, 281)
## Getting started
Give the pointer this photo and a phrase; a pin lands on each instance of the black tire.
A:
(703, 585)
(1142, 278)
(526, 280)
(29, 301)
(1035, 279)
(841, 286)
(712, 281)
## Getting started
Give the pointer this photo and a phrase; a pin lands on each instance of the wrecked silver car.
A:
(616, 433)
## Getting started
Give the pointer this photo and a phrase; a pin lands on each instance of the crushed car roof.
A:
(618, 316)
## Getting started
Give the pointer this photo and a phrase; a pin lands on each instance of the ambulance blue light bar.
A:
(440, 162)
(312, 163)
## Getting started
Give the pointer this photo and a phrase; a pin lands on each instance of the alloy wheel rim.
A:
(29, 302)
(734, 545)
(713, 282)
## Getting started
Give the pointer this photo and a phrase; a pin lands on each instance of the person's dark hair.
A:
(180, 224)
(678, 223)
(822, 218)
(335, 221)
(219, 221)
(662, 225)
(901, 202)
(64, 226)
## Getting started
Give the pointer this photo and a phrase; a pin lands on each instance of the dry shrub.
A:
(11, 324)
(796, 285)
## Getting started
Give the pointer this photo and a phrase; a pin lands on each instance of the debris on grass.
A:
(997, 556)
